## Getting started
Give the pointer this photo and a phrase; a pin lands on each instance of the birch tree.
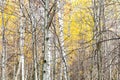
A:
(3, 41)
(22, 30)
(46, 62)
(61, 38)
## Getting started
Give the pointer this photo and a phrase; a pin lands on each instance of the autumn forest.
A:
(59, 39)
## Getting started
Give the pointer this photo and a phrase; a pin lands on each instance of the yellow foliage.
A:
(78, 24)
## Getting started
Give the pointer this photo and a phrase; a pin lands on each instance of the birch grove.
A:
(59, 40)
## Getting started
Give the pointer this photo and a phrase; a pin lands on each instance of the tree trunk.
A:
(22, 30)
(61, 38)
(119, 63)
(47, 53)
(98, 12)
(3, 43)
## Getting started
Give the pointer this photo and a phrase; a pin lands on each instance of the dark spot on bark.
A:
(44, 71)
(47, 38)
(45, 61)
(42, 51)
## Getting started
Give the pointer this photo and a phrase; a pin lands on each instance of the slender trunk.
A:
(22, 30)
(60, 19)
(99, 24)
(34, 49)
(61, 71)
(34, 38)
(54, 59)
(118, 73)
(3, 43)
(47, 53)
(23, 70)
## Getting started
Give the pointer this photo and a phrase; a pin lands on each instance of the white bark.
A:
(22, 30)
(23, 72)
(118, 73)
(3, 43)
(47, 52)
(61, 24)
(61, 71)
